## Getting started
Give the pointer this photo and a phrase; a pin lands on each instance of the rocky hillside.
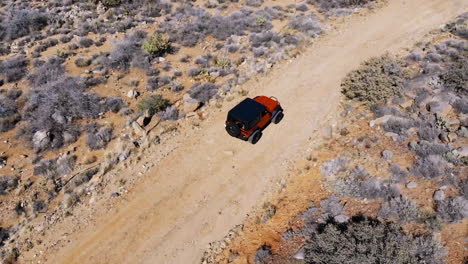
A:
(84, 83)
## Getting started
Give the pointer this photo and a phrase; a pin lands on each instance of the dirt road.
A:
(201, 190)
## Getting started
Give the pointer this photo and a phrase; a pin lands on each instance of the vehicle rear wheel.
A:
(233, 129)
(255, 137)
(279, 116)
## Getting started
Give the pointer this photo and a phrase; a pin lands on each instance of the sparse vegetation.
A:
(153, 104)
(367, 240)
(375, 81)
(157, 44)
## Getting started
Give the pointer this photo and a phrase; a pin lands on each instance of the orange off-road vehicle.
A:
(248, 119)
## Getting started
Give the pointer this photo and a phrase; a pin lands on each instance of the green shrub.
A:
(375, 80)
(153, 104)
(157, 44)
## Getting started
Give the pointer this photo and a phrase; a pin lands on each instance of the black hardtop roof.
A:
(247, 110)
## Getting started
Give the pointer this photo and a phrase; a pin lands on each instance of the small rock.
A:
(411, 185)
(191, 105)
(444, 137)
(394, 136)
(439, 195)
(133, 94)
(441, 109)
(452, 137)
(463, 132)
(115, 194)
(387, 155)
(453, 124)
(407, 103)
(90, 159)
(300, 254)
(380, 120)
(341, 218)
(461, 152)
(138, 129)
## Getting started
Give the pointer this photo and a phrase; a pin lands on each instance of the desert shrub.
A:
(254, 3)
(20, 23)
(358, 183)
(157, 82)
(15, 68)
(114, 104)
(455, 78)
(91, 81)
(400, 208)
(327, 5)
(459, 26)
(263, 255)
(85, 42)
(461, 105)
(170, 113)
(452, 210)
(194, 71)
(375, 80)
(366, 240)
(302, 7)
(7, 107)
(430, 167)
(54, 168)
(264, 38)
(156, 8)
(39, 206)
(157, 44)
(66, 38)
(428, 132)
(4, 49)
(425, 149)
(97, 137)
(111, 3)
(153, 104)
(47, 72)
(307, 24)
(398, 173)
(8, 183)
(398, 125)
(53, 107)
(203, 92)
(82, 62)
(8, 110)
(4, 235)
(333, 167)
(331, 207)
(127, 51)
(191, 25)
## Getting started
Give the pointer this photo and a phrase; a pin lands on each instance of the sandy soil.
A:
(210, 183)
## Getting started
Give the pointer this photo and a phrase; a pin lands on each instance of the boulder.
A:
(40, 139)
(411, 185)
(191, 105)
(440, 109)
(387, 155)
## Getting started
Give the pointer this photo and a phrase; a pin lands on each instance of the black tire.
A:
(233, 129)
(255, 137)
(278, 117)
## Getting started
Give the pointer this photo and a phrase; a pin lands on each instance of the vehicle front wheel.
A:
(278, 117)
(255, 137)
